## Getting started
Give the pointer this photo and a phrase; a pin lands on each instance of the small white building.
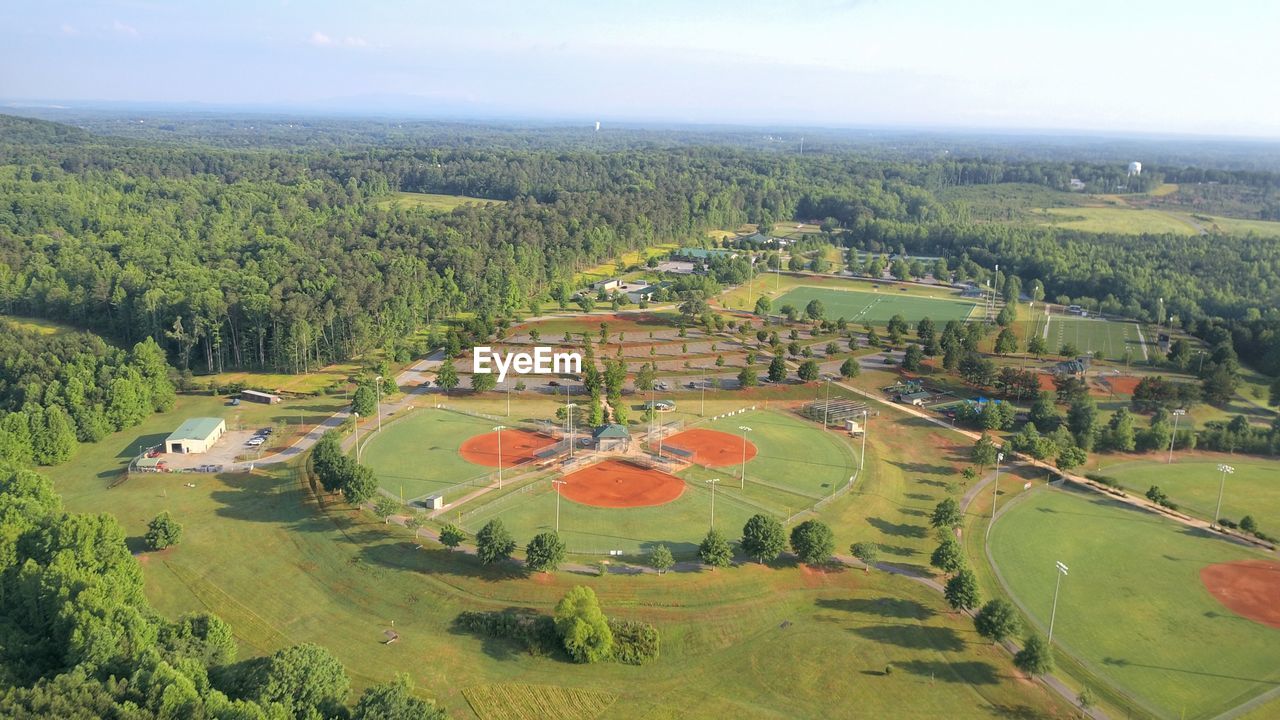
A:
(195, 435)
(434, 502)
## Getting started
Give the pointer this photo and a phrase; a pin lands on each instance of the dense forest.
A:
(286, 258)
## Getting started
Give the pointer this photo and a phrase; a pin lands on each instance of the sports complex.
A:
(612, 496)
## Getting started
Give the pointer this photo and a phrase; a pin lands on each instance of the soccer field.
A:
(1091, 334)
(876, 308)
(1133, 607)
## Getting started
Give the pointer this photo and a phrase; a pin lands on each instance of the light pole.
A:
(1225, 470)
(712, 482)
(744, 430)
(703, 386)
(569, 408)
(556, 484)
(1176, 414)
(863, 460)
(499, 430)
(357, 432)
(826, 404)
(995, 492)
(1053, 614)
(508, 399)
(378, 412)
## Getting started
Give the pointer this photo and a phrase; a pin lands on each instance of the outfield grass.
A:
(1133, 608)
(743, 642)
(1253, 489)
(1112, 337)
(431, 202)
(418, 454)
(877, 307)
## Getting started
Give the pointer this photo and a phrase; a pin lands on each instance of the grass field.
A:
(1133, 608)
(1130, 220)
(431, 202)
(780, 482)
(1112, 337)
(876, 308)
(748, 642)
(418, 454)
(43, 327)
(1253, 489)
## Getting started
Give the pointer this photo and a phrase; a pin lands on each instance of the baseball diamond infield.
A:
(518, 447)
(620, 484)
(711, 447)
(1248, 588)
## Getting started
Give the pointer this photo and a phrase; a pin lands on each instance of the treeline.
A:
(58, 390)
(78, 637)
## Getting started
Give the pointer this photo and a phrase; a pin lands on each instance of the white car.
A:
(255, 441)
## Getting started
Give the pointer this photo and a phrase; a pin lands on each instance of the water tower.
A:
(1135, 168)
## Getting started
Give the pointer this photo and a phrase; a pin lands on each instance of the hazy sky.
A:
(1131, 65)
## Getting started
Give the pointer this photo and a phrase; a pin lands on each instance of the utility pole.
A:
(1176, 414)
(357, 433)
(863, 460)
(1222, 484)
(826, 404)
(378, 380)
(744, 430)
(1053, 614)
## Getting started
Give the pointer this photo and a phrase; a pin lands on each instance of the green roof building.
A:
(196, 435)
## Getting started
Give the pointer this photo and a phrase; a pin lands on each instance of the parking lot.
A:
(224, 452)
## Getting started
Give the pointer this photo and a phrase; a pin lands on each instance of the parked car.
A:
(255, 441)
(233, 402)
(553, 383)
(153, 452)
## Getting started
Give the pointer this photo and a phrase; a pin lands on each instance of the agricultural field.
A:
(1133, 608)
(876, 308)
(1193, 482)
(431, 202)
(1090, 335)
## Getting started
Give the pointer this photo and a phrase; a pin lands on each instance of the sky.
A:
(1144, 66)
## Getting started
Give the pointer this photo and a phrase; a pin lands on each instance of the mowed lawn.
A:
(418, 454)
(741, 642)
(1090, 335)
(1253, 489)
(876, 308)
(1133, 608)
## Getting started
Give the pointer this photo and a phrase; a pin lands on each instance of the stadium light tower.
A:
(378, 381)
(1176, 414)
(1053, 614)
(499, 430)
(862, 461)
(357, 433)
(995, 492)
(826, 404)
(1225, 470)
(556, 484)
(712, 482)
(744, 430)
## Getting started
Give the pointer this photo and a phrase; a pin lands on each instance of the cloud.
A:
(320, 39)
(124, 28)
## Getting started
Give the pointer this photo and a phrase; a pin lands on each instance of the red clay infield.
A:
(518, 446)
(620, 484)
(711, 447)
(1123, 384)
(1248, 588)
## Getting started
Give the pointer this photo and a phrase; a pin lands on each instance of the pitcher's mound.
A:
(1249, 588)
(620, 484)
(711, 447)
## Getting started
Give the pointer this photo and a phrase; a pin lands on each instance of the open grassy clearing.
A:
(747, 642)
(1133, 608)
(431, 202)
(877, 308)
(43, 327)
(301, 384)
(612, 268)
(1192, 483)
(1131, 220)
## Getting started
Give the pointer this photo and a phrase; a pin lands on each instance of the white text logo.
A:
(542, 361)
